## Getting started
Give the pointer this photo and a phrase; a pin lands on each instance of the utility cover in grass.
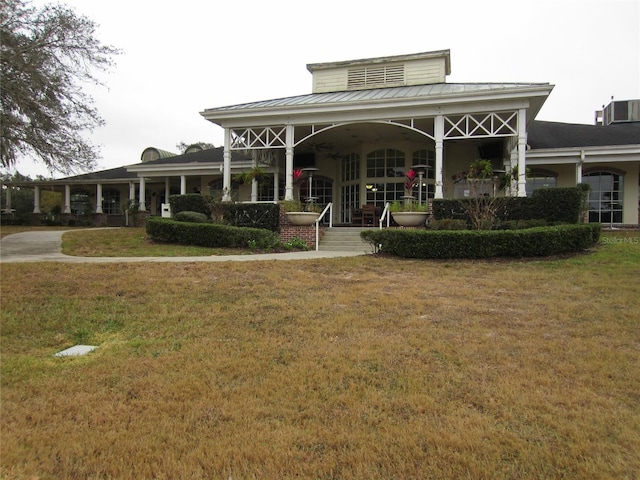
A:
(76, 351)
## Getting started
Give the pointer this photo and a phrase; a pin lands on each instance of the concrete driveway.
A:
(44, 246)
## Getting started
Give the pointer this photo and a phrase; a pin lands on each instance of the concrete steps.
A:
(344, 239)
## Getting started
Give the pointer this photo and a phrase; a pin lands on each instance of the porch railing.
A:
(385, 216)
(328, 208)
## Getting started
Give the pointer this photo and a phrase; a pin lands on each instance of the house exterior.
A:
(365, 123)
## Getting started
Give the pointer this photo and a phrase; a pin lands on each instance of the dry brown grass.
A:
(131, 242)
(11, 229)
(349, 368)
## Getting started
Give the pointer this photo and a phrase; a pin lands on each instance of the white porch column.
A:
(7, 197)
(99, 198)
(67, 199)
(522, 148)
(438, 132)
(226, 166)
(183, 184)
(288, 189)
(132, 193)
(254, 182)
(167, 190)
(143, 200)
(276, 185)
(36, 199)
(579, 168)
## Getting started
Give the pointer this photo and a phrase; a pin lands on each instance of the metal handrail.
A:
(329, 208)
(385, 216)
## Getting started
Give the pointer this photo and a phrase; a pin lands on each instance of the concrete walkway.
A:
(43, 246)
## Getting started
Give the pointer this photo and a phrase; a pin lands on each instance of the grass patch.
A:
(131, 242)
(11, 229)
(361, 367)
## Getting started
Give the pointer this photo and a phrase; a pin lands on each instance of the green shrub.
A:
(553, 205)
(209, 235)
(188, 216)
(295, 244)
(448, 224)
(559, 205)
(255, 215)
(192, 202)
(522, 224)
(533, 242)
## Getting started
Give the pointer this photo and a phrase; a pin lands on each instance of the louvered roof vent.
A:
(375, 76)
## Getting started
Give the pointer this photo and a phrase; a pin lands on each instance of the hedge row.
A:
(533, 242)
(554, 205)
(191, 202)
(255, 215)
(211, 235)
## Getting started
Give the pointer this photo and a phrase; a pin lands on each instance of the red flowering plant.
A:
(409, 205)
(410, 180)
(295, 205)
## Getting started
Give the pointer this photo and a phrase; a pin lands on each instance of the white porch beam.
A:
(439, 136)
(183, 184)
(522, 148)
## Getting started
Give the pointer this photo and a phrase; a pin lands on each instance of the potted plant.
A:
(297, 212)
(409, 213)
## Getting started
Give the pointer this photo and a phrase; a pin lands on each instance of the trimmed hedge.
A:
(191, 202)
(553, 205)
(440, 244)
(188, 216)
(254, 215)
(209, 234)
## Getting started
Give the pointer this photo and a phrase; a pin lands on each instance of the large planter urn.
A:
(410, 219)
(302, 218)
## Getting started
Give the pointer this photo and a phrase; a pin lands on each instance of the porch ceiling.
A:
(339, 139)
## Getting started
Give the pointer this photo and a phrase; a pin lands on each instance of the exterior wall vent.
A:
(375, 76)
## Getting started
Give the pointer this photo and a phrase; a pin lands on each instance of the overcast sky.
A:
(180, 58)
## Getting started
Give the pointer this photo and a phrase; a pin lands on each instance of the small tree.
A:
(45, 56)
(216, 206)
(486, 195)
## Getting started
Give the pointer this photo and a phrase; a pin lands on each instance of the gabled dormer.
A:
(397, 71)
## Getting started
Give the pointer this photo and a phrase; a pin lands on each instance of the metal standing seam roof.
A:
(437, 90)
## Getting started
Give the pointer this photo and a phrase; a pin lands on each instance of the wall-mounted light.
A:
(369, 186)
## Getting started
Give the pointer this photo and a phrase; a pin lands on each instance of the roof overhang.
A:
(445, 54)
(573, 155)
(177, 169)
(382, 105)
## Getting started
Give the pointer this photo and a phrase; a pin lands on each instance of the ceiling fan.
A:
(320, 146)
